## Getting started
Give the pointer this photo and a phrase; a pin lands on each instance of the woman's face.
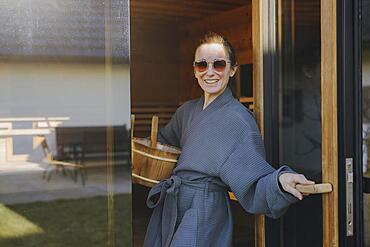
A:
(213, 82)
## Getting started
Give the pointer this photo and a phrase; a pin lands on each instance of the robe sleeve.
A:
(171, 133)
(254, 181)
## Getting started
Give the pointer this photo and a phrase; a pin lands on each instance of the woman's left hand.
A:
(289, 181)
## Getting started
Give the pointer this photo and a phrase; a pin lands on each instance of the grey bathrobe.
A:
(222, 150)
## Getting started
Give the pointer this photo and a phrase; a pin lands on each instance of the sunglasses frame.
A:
(212, 62)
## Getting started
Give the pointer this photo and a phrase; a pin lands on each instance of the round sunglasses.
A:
(219, 65)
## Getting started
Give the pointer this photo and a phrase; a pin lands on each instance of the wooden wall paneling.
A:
(181, 11)
(181, 8)
(329, 121)
(239, 34)
(154, 63)
(186, 8)
(221, 21)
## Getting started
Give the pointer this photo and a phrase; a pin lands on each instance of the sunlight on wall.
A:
(14, 225)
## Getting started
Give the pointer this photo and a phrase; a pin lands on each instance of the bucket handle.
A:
(145, 179)
(153, 156)
(153, 136)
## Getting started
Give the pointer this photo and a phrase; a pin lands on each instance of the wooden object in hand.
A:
(152, 163)
(315, 188)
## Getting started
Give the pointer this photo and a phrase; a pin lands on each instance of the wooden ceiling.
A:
(179, 11)
(182, 11)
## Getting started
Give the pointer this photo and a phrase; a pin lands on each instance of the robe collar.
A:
(221, 100)
(200, 115)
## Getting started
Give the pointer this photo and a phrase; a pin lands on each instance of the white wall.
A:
(77, 91)
(84, 94)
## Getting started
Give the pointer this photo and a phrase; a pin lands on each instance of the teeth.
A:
(211, 81)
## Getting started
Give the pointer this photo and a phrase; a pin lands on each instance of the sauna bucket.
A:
(151, 160)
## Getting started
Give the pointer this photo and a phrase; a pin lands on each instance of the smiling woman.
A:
(164, 36)
(214, 79)
(222, 150)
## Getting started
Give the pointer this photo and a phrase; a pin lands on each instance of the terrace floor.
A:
(22, 182)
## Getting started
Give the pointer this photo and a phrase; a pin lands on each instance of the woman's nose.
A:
(210, 70)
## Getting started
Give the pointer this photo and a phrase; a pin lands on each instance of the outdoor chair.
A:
(76, 168)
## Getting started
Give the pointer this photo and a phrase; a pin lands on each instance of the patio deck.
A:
(22, 182)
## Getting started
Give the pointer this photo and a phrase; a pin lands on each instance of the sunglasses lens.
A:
(219, 65)
(201, 66)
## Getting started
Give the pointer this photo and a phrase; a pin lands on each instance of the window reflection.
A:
(300, 113)
(64, 123)
(366, 112)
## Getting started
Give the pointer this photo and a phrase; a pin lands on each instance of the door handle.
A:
(315, 188)
(309, 189)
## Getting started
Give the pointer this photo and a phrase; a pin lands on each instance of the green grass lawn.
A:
(78, 222)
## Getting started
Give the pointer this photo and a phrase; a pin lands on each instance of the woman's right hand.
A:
(289, 181)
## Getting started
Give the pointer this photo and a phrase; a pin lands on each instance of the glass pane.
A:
(300, 113)
(64, 123)
(366, 112)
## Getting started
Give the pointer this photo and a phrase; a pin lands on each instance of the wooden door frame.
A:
(341, 118)
(263, 33)
(257, 53)
(329, 120)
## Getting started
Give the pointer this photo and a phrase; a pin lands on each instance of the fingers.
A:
(294, 192)
(301, 179)
(290, 180)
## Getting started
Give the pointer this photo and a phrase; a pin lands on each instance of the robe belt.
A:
(168, 190)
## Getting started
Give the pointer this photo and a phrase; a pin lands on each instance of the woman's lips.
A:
(211, 81)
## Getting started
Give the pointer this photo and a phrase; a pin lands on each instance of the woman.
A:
(222, 150)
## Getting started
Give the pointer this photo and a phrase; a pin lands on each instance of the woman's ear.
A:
(233, 70)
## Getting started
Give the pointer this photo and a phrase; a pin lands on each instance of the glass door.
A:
(304, 127)
(299, 100)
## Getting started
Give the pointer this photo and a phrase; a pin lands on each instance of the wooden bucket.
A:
(151, 161)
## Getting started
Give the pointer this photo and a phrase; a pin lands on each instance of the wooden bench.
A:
(247, 102)
(55, 164)
(143, 116)
(144, 112)
(93, 143)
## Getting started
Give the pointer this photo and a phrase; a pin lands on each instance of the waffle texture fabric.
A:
(222, 150)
